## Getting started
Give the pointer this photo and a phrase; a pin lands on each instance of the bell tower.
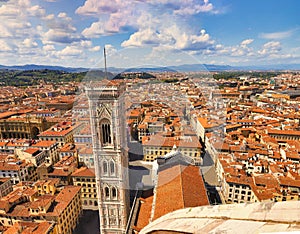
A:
(107, 116)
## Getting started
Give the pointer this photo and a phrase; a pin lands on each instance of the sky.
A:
(136, 33)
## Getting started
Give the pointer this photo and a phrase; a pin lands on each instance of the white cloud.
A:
(242, 49)
(36, 11)
(95, 30)
(5, 32)
(184, 7)
(194, 7)
(7, 11)
(70, 51)
(48, 48)
(270, 48)
(29, 43)
(95, 49)
(142, 37)
(86, 43)
(4, 47)
(110, 49)
(63, 36)
(172, 37)
(277, 35)
(96, 7)
(115, 15)
(246, 42)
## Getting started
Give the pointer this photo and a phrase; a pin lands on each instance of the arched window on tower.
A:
(105, 132)
(114, 193)
(105, 167)
(106, 193)
(112, 167)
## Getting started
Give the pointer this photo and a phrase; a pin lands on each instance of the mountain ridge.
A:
(178, 68)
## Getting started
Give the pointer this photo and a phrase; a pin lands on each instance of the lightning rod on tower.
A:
(105, 67)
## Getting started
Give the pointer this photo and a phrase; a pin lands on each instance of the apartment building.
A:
(62, 133)
(25, 205)
(158, 145)
(50, 148)
(85, 177)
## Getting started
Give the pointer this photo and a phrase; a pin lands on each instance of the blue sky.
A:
(141, 32)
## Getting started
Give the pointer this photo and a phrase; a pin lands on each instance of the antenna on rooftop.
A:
(105, 67)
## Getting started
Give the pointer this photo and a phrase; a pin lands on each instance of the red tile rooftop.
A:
(44, 143)
(65, 161)
(144, 213)
(41, 201)
(31, 151)
(7, 114)
(183, 184)
(59, 172)
(57, 132)
(8, 166)
(184, 141)
(283, 132)
(68, 147)
(85, 150)
(84, 172)
(289, 182)
(29, 228)
(266, 180)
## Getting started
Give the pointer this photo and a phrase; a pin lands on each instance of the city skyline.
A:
(160, 32)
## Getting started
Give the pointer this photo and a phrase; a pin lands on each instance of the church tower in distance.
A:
(107, 116)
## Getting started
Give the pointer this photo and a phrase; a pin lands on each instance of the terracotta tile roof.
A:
(286, 181)
(179, 187)
(59, 172)
(48, 181)
(284, 132)
(21, 210)
(185, 141)
(85, 150)
(263, 194)
(68, 147)
(293, 155)
(44, 143)
(64, 198)
(144, 215)
(84, 172)
(42, 201)
(29, 228)
(221, 146)
(3, 143)
(7, 114)
(31, 151)
(6, 166)
(241, 179)
(267, 180)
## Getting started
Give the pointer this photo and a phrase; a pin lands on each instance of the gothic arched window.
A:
(105, 167)
(112, 167)
(105, 132)
(106, 193)
(114, 193)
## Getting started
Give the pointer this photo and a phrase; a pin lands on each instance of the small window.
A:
(105, 170)
(112, 167)
(114, 193)
(106, 192)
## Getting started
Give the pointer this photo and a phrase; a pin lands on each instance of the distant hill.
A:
(202, 67)
(179, 68)
(133, 74)
(44, 67)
